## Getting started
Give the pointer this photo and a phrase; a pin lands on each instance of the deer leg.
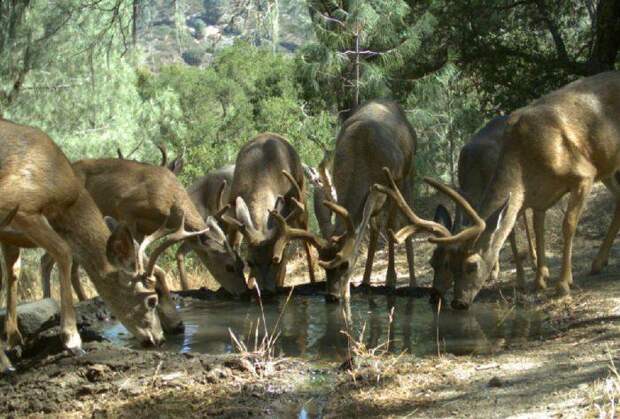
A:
(517, 258)
(602, 257)
(372, 247)
(47, 264)
(573, 213)
(10, 271)
(38, 229)
(309, 257)
(76, 283)
(409, 241)
(542, 271)
(530, 240)
(310, 263)
(180, 257)
(390, 277)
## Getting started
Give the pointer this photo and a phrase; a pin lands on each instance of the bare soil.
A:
(569, 374)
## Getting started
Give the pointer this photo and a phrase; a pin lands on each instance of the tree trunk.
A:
(606, 37)
(134, 23)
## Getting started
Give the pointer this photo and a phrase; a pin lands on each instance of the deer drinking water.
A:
(268, 181)
(209, 193)
(477, 162)
(143, 195)
(559, 144)
(376, 135)
(48, 205)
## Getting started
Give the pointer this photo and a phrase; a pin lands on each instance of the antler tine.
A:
(288, 233)
(417, 223)
(220, 195)
(342, 213)
(469, 233)
(295, 184)
(171, 238)
(221, 206)
(164, 154)
(147, 241)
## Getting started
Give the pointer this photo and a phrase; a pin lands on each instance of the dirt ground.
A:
(569, 374)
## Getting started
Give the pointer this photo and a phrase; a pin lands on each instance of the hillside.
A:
(191, 31)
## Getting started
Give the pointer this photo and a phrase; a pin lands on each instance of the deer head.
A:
(266, 270)
(134, 273)
(467, 261)
(215, 251)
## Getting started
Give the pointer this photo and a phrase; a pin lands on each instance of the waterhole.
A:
(309, 327)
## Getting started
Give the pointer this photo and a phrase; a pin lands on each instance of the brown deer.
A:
(268, 179)
(561, 143)
(142, 196)
(47, 204)
(376, 135)
(477, 162)
(207, 193)
(47, 263)
(175, 166)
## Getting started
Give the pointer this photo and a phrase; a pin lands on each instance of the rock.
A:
(35, 317)
(96, 372)
(496, 382)
(240, 364)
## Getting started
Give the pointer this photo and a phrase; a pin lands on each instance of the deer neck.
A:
(506, 184)
(87, 235)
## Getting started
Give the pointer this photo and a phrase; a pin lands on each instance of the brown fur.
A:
(56, 213)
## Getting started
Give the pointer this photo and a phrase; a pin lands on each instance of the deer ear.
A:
(243, 213)
(176, 165)
(215, 232)
(495, 219)
(442, 216)
(120, 249)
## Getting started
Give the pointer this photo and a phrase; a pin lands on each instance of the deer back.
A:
(377, 135)
(258, 176)
(204, 192)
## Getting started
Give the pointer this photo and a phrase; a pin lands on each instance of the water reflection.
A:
(311, 328)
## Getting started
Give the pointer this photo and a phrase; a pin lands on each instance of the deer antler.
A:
(164, 154)
(171, 238)
(443, 236)
(221, 206)
(244, 226)
(288, 233)
(343, 213)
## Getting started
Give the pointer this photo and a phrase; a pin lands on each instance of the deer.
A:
(476, 165)
(47, 263)
(46, 203)
(376, 135)
(209, 194)
(175, 166)
(142, 195)
(268, 180)
(559, 144)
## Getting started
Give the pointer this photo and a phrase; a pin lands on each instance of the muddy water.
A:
(309, 327)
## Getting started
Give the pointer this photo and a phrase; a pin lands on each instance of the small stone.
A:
(496, 382)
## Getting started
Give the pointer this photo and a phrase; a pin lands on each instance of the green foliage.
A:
(445, 111)
(245, 91)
